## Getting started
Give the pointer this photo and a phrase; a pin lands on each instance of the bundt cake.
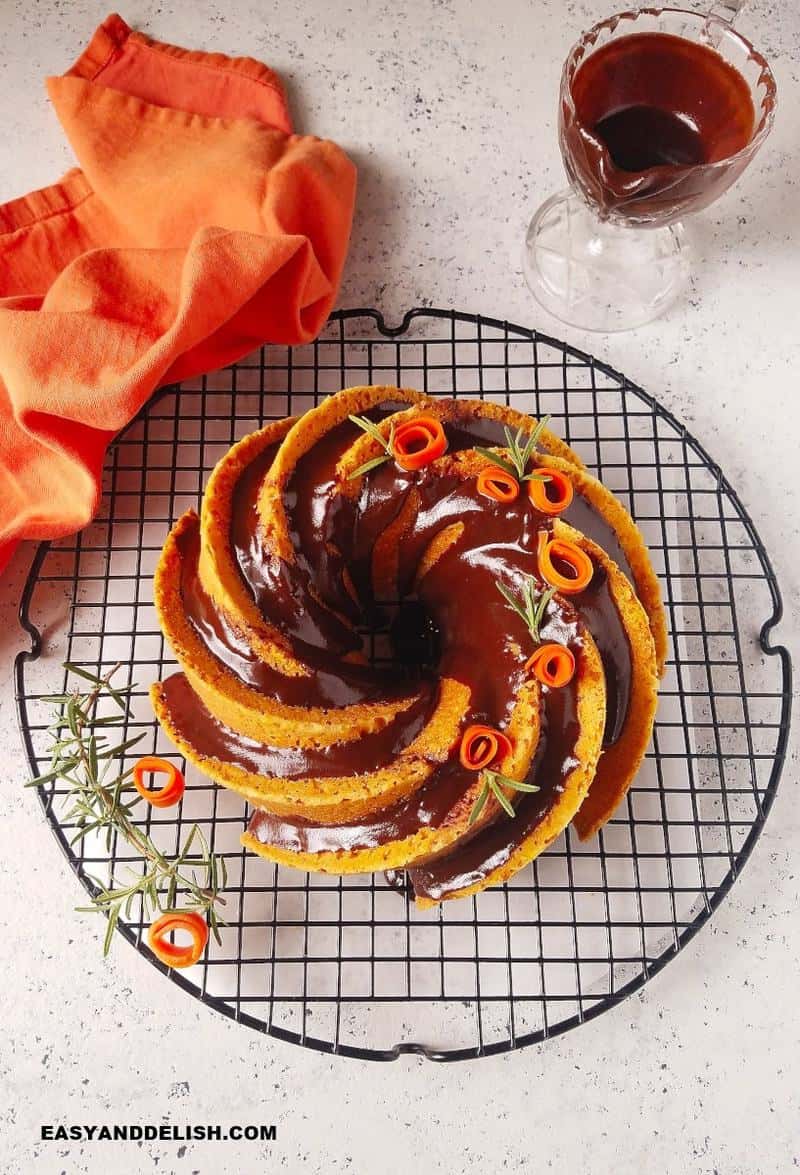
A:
(509, 592)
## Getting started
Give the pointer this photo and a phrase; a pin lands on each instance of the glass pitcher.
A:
(660, 112)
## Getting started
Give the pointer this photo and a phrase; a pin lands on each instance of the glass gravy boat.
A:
(661, 110)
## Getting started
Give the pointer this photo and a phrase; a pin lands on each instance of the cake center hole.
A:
(413, 637)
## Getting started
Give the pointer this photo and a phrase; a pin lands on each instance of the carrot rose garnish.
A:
(413, 444)
(171, 953)
(553, 665)
(551, 496)
(481, 745)
(417, 442)
(564, 565)
(497, 483)
(173, 789)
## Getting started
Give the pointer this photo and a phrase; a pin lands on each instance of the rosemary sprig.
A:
(520, 450)
(494, 782)
(102, 797)
(373, 431)
(532, 607)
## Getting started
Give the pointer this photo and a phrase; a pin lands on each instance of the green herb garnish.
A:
(520, 449)
(373, 431)
(531, 608)
(494, 782)
(102, 797)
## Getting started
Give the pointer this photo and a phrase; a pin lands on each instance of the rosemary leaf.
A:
(120, 750)
(91, 755)
(85, 829)
(496, 459)
(97, 780)
(373, 463)
(532, 607)
(527, 452)
(512, 603)
(519, 452)
(72, 716)
(477, 807)
(198, 832)
(500, 796)
(541, 425)
(541, 608)
(371, 430)
(214, 923)
(56, 773)
(113, 919)
(516, 784)
(84, 673)
(187, 844)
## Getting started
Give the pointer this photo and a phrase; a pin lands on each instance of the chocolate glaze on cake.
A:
(482, 642)
(217, 741)
(493, 846)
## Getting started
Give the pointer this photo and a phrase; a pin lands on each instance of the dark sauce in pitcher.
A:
(650, 108)
(638, 137)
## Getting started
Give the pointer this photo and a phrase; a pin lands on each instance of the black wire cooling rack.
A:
(348, 965)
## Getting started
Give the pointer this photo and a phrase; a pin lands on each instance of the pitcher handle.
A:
(727, 10)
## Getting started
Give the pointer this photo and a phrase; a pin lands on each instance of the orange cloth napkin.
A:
(197, 228)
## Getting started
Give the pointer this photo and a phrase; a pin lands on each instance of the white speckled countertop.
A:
(448, 108)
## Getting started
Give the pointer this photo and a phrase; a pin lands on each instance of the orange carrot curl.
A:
(494, 482)
(173, 789)
(417, 442)
(171, 953)
(481, 746)
(565, 566)
(552, 496)
(553, 665)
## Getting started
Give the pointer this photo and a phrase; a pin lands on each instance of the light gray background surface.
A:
(448, 108)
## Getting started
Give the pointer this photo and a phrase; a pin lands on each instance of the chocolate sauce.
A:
(438, 803)
(332, 682)
(396, 879)
(286, 593)
(474, 859)
(494, 681)
(639, 137)
(650, 110)
(414, 637)
(212, 739)
(482, 642)
(583, 517)
(601, 616)
(479, 634)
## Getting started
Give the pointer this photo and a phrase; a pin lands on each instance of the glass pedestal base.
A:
(602, 276)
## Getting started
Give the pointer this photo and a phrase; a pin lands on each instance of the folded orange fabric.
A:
(197, 228)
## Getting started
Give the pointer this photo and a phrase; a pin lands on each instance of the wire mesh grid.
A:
(349, 965)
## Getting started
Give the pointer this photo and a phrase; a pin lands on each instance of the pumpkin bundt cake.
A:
(524, 624)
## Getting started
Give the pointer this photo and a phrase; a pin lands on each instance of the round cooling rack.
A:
(349, 965)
